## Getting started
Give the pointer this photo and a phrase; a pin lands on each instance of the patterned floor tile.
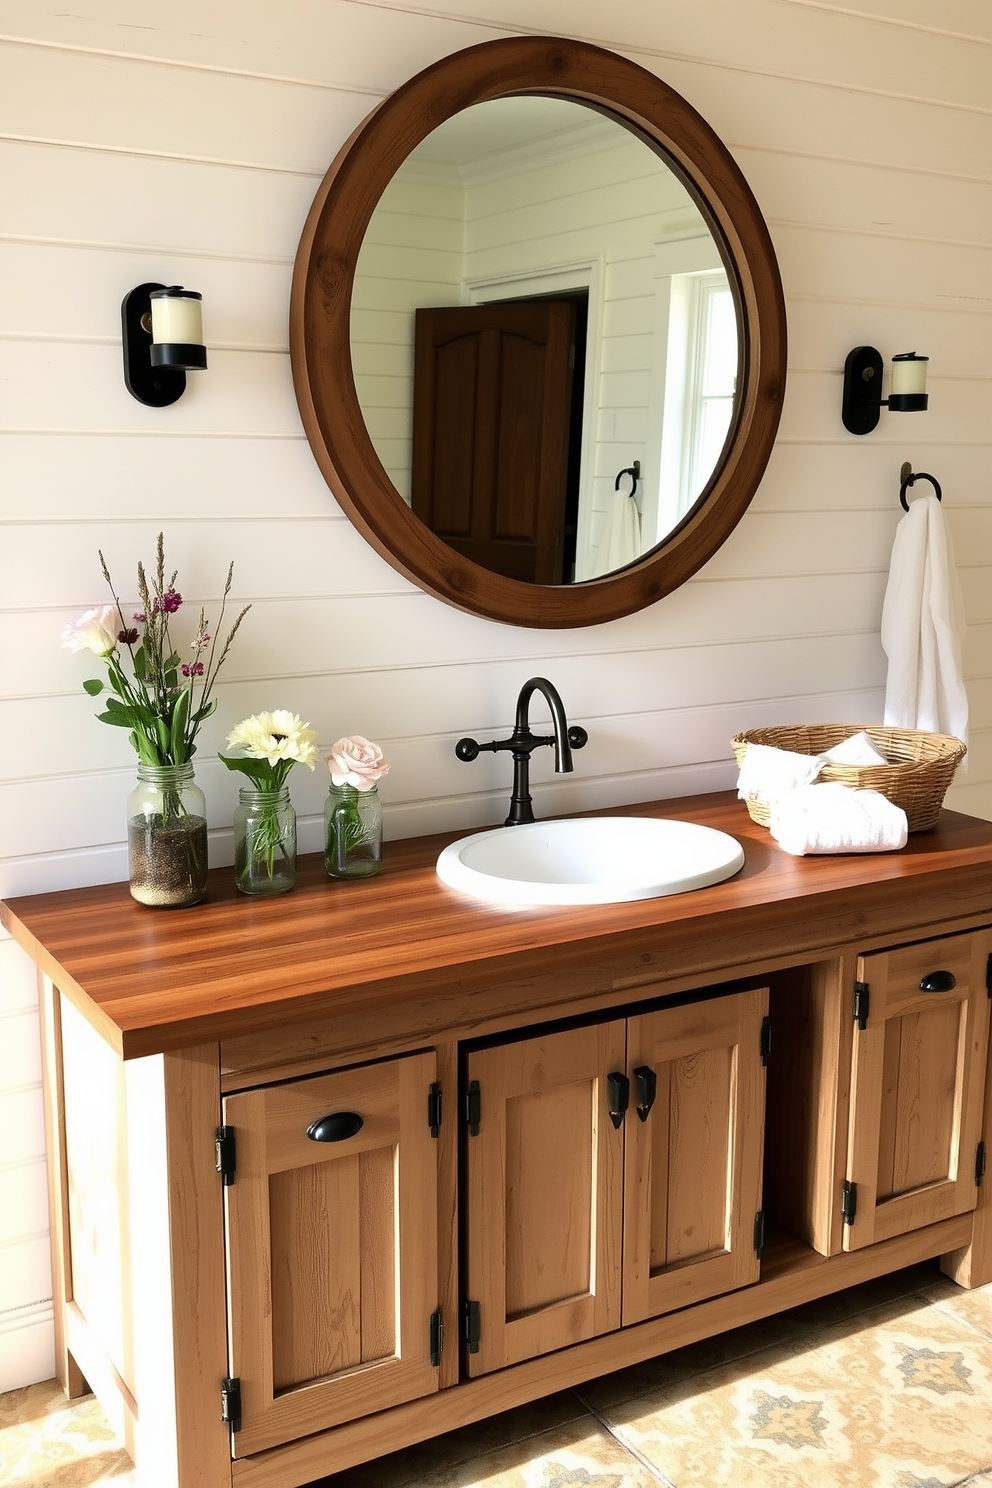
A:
(970, 1307)
(579, 1454)
(47, 1441)
(902, 1403)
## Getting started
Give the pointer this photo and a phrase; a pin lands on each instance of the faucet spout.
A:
(522, 744)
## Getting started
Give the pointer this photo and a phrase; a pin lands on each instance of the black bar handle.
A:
(939, 981)
(337, 1127)
(618, 1096)
(647, 1088)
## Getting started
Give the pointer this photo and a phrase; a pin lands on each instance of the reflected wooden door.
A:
(544, 1194)
(491, 410)
(332, 1250)
(917, 1087)
(692, 1171)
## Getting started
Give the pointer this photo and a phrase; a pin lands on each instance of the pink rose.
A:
(356, 762)
(95, 631)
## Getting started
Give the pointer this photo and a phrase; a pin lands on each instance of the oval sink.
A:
(589, 860)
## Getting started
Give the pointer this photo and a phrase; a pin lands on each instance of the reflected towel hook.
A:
(634, 471)
(908, 479)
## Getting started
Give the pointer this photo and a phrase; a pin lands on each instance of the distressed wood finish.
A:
(917, 1088)
(403, 951)
(332, 1250)
(544, 1194)
(692, 1170)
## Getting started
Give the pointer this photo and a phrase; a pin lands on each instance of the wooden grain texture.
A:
(971, 1265)
(917, 1091)
(791, 1275)
(320, 321)
(404, 952)
(333, 1267)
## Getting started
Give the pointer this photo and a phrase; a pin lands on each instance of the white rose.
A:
(95, 631)
(356, 762)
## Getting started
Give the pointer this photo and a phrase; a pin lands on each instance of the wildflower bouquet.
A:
(164, 700)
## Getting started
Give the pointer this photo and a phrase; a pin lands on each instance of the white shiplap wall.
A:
(184, 143)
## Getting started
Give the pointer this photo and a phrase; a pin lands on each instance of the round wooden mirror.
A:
(337, 262)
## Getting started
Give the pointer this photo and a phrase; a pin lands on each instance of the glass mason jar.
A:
(352, 832)
(264, 841)
(167, 837)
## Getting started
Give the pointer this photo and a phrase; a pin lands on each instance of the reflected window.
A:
(711, 380)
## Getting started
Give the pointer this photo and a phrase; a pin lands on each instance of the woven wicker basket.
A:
(920, 769)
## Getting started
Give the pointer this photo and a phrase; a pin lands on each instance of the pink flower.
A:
(168, 603)
(95, 631)
(192, 668)
(356, 762)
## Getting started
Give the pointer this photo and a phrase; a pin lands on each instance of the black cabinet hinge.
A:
(861, 999)
(230, 1403)
(435, 1330)
(979, 1163)
(617, 1096)
(988, 976)
(434, 1108)
(759, 1232)
(849, 1202)
(473, 1107)
(471, 1326)
(766, 1040)
(226, 1157)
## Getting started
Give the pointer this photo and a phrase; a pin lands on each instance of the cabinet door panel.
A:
(332, 1250)
(544, 1183)
(692, 1175)
(917, 1075)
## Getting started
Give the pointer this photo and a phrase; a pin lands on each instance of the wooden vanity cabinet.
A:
(310, 1315)
(613, 1173)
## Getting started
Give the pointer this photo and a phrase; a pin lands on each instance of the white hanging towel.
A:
(923, 626)
(621, 540)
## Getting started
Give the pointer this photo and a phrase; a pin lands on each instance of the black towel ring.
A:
(634, 471)
(911, 481)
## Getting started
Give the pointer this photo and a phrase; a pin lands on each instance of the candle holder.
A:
(863, 401)
(162, 334)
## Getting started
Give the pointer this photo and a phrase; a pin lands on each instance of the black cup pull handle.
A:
(337, 1127)
(939, 981)
(618, 1096)
(647, 1088)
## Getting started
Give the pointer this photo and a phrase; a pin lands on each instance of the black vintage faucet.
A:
(522, 744)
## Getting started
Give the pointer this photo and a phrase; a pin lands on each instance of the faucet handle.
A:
(467, 750)
(577, 736)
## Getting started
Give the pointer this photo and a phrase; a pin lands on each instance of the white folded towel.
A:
(836, 819)
(768, 773)
(923, 626)
(856, 750)
(620, 543)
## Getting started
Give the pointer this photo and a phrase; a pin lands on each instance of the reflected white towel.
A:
(621, 540)
(768, 773)
(923, 626)
(836, 819)
(855, 750)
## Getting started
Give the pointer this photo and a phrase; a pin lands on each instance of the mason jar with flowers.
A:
(162, 704)
(353, 811)
(265, 821)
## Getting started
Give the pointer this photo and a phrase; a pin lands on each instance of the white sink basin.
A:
(589, 860)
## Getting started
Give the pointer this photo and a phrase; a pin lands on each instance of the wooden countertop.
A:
(151, 980)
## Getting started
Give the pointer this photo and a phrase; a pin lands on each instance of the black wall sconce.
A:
(162, 329)
(863, 399)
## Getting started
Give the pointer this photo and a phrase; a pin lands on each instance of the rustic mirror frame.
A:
(320, 322)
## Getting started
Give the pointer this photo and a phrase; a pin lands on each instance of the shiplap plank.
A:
(959, 410)
(25, 1274)
(20, 1052)
(18, 979)
(22, 1120)
(24, 1211)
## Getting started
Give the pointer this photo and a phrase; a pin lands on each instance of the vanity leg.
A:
(972, 1265)
(67, 1371)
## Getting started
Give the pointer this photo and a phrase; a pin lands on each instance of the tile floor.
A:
(888, 1385)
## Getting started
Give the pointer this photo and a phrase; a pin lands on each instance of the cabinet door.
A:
(332, 1249)
(544, 1194)
(692, 1168)
(916, 1094)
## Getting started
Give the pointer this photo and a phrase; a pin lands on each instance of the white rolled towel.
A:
(857, 749)
(769, 773)
(836, 819)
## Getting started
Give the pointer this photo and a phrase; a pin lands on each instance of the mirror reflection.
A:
(544, 340)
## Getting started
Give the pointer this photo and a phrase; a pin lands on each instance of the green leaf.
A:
(93, 686)
(258, 771)
(140, 670)
(118, 720)
(180, 718)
